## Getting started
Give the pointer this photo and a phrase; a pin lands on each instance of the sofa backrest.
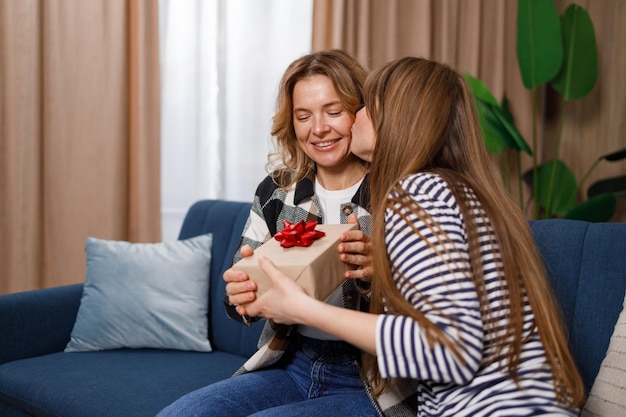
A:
(225, 220)
(586, 264)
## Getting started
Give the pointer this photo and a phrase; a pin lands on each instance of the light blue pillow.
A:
(144, 295)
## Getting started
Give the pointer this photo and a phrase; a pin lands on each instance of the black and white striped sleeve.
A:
(433, 275)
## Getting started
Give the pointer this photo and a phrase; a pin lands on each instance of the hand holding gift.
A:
(239, 287)
(286, 302)
(316, 268)
(353, 249)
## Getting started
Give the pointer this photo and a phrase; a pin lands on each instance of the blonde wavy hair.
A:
(288, 163)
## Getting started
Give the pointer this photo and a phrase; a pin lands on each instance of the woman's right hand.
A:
(240, 288)
(355, 249)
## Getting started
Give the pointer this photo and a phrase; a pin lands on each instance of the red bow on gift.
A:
(298, 234)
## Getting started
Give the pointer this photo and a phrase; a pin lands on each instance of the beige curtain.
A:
(478, 37)
(79, 133)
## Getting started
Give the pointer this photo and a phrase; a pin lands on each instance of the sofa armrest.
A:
(38, 322)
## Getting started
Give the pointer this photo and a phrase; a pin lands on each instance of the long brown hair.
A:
(425, 120)
(347, 76)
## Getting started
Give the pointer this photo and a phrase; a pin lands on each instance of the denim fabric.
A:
(319, 378)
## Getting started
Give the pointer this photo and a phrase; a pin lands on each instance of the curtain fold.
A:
(21, 173)
(75, 160)
(479, 37)
(144, 207)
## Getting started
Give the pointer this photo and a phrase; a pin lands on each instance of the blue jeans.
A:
(319, 378)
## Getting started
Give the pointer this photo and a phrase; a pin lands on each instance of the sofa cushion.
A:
(225, 220)
(123, 382)
(144, 295)
(608, 393)
(588, 280)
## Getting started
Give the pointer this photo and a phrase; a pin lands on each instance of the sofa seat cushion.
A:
(121, 382)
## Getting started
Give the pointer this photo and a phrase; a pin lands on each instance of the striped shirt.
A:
(434, 276)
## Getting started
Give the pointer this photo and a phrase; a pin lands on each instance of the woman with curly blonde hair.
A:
(313, 176)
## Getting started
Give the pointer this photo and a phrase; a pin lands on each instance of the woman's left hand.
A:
(355, 249)
(285, 302)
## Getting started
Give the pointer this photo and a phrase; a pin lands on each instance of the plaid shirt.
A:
(271, 206)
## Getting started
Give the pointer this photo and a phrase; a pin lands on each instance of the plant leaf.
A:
(499, 130)
(506, 109)
(615, 156)
(579, 71)
(615, 185)
(495, 136)
(506, 119)
(479, 90)
(539, 43)
(564, 189)
(597, 209)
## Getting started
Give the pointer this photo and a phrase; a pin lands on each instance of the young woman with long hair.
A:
(461, 311)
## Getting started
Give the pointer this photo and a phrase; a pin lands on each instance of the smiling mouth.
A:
(325, 144)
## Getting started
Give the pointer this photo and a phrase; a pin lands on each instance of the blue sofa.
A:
(586, 263)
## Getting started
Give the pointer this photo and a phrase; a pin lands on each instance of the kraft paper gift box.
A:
(315, 268)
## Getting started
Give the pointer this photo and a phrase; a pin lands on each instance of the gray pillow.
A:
(144, 295)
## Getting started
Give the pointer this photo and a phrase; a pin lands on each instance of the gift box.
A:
(316, 268)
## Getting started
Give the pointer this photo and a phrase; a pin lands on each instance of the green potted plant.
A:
(559, 52)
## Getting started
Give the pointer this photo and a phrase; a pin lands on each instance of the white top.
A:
(330, 202)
